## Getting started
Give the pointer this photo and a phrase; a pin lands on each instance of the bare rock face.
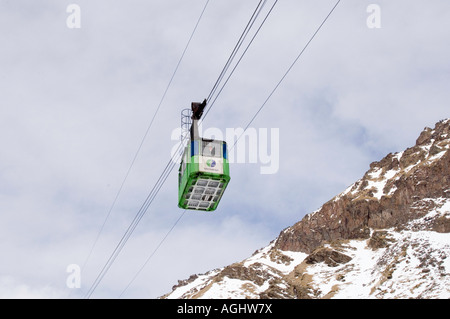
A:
(390, 194)
(330, 257)
(379, 239)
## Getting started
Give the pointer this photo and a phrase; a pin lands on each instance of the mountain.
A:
(386, 236)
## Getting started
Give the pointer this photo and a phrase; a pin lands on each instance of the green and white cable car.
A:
(204, 171)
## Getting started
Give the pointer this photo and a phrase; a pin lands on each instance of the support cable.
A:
(247, 126)
(140, 147)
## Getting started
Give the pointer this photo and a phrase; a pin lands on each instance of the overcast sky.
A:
(75, 104)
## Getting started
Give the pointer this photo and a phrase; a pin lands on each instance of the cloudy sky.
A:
(75, 104)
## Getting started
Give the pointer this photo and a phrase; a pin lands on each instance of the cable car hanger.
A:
(204, 171)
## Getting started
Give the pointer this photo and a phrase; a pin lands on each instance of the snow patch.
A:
(416, 266)
(230, 288)
(266, 256)
(199, 282)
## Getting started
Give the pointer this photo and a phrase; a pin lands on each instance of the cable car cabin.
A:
(203, 175)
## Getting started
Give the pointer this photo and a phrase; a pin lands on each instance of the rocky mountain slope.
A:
(385, 236)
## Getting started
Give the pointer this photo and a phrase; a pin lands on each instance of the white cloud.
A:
(12, 289)
(75, 104)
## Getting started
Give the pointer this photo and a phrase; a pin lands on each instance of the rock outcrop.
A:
(393, 192)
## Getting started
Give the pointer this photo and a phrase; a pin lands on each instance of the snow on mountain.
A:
(386, 236)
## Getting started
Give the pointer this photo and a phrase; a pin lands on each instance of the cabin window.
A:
(211, 149)
(183, 167)
(183, 162)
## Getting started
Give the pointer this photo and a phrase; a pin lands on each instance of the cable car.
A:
(204, 171)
